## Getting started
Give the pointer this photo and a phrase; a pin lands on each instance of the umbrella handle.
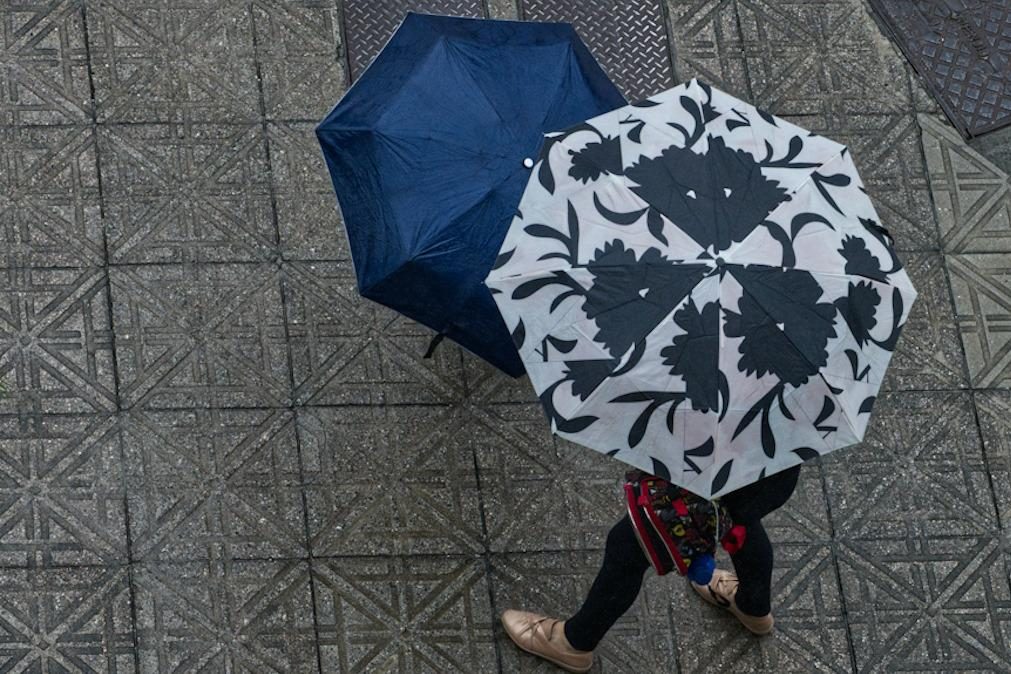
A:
(433, 344)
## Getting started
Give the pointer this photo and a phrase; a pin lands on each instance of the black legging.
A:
(620, 576)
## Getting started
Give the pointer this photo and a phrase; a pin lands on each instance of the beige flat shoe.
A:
(721, 591)
(545, 637)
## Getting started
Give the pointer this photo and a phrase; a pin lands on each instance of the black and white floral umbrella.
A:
(701, 290)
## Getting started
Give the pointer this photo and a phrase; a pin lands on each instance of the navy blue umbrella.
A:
(427, 153)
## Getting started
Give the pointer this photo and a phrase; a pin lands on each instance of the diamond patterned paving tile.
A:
(628, 38)
(44, 71)
(301, 57)
(213, 484)
(49, 200)
(308, 216)
(428, 499)
(186, 193)
(928, 355)
(556, 583)
(889, 154)
(370, 23)
(187, 61)
(61, 491)
(820, 58)
(404, 614)
(707, 44)
(55, 342)
(206, 335)
(346, 349)
(66, 620)
(971, 195)
(810, 635)
(930, 604)
(994, 411)
(920, 472)
(981, 284)
(224, 616)
(537, 496)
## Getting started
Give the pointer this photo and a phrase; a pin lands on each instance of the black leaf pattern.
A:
(660, 469)
(806, 453)
(720, 481)
(623, 219)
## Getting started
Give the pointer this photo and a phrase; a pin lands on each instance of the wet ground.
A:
(215, 457)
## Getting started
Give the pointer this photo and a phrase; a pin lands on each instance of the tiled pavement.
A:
(214, 457)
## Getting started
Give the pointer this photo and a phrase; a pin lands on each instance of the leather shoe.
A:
(545, 637)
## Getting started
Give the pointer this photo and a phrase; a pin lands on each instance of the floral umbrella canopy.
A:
(701, 290)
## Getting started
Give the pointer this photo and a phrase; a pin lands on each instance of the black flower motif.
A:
(587, 375)
(717, 198)
(695, 354)
(630, 296)
(859, 260)
(784, 326)
(603, 156)
(858, 309)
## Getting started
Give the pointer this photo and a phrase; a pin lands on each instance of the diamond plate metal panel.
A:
(370, 23)
(962, 49)
(628, 38)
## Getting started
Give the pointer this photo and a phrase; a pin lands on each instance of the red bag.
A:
(676, 527)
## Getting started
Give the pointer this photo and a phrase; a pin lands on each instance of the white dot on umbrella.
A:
(642, 293)
(781, 326)
(528, 163)
(727, 191)
(691, 193)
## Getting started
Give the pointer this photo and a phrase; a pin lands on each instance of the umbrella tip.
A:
(528, 163)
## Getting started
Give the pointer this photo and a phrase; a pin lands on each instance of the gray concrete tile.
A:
(981, 284)
(928, 355)
(62, 490)
(308, 215)
(173, 62)
(200, 335)
(346, 349)
(993, 408)
(707, 44)
(820, 58)
(920, 472)
(225, 616)
(55, 342)
(406, 614)
(971, 196)
(555, 583)
(67, 620)
(213, 484)
(933, 604)
(536, 497)
(995, 146)
(50, 213)
(301, 57)
(186, 193)
(45, 75)
(488, 384)
(889, 155)
(810, 633)
(390, 480)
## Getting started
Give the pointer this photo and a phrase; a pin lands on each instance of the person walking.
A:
(745, 592)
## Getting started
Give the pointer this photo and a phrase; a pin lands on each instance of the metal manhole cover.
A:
(962, 50)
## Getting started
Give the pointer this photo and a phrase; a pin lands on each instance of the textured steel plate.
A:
(368, 24)
(962, 50)
(628, 37)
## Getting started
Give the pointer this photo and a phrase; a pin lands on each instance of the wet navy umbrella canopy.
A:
(427, 151)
